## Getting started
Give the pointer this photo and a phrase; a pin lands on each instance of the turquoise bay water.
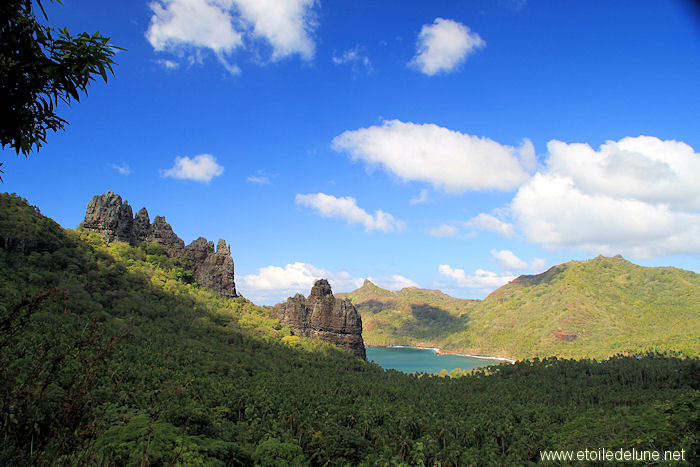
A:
(411, 359)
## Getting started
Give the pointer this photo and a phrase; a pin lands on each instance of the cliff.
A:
(322, 316)
(108, 216)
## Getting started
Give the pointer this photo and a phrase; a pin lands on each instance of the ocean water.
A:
(411, 359)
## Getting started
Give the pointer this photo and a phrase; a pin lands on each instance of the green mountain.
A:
(410, 316)
(112, 354)
(593, 308)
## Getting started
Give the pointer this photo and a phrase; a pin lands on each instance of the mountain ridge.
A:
(113, 219)
(110, 357)
(592, 308)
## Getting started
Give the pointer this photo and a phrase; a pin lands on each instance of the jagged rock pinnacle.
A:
(322, 316)
(107, 215)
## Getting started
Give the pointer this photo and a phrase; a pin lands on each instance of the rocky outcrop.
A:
(322, 316)
(142, 226)
(161, 233)
(109, 217)
(112, 218)
(216, 270)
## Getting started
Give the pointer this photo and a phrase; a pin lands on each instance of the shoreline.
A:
(442, 352)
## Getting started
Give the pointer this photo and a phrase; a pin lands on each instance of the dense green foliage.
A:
(40, 66)
(112, 355)
(410, 316)
(591, 309)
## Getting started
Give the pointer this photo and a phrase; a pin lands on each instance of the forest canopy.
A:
(108, 357)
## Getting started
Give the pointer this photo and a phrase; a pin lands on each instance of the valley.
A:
(112, 354)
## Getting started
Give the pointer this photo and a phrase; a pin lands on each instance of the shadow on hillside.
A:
(375, 306)
(431, 321)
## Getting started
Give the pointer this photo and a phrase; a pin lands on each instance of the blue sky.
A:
(450, 145)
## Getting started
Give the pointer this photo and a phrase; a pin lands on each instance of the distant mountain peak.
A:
(616, 257)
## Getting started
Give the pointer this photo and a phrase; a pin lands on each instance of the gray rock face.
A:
(109, 217)
(199, 250)
(161, 232)
(322, 316)
(113, 219)
(216, 271)
(142, 225)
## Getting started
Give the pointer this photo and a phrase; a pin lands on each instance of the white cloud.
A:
(346, 208)
(355, 59)
(644, 168)
(201, 168)
(637, 196)
(480, 280)
(258, 179)
(179, 25)
(421, 198)
(444, 45)
(123, 169)
(286, 24)
(168, 64)
(274, 284)
(444, 230)
(395, 282)
(510, 262)
(449, 160)
(491, 223)
(188, 27)
(261, 178)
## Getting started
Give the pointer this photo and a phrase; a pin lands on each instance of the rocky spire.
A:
(322, 316)
(142, 225)
(320, 290)
(162, 233)
(107, 215)
(216, 271)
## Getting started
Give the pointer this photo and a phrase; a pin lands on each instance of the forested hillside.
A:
(594, 308)
(409, 316)
(113, 355)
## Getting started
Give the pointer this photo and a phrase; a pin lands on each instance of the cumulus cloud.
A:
(443, 46)
(639, 196)
(346, 208)
(449, 160)
(201, 168)
(480, 280)
(644, 168)
(273, 284)
(123, 169)
(180, 25)
(355, 59)
(491, 223)
(444, 230)
(510, 262)
(395, 282)
(188, 27)
(286, 24)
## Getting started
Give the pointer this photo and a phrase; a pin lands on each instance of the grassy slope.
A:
(109, 355)
(413, 316)
(592, 308)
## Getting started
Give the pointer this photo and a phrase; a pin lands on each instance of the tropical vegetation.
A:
(114, 355)
(580, 309)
